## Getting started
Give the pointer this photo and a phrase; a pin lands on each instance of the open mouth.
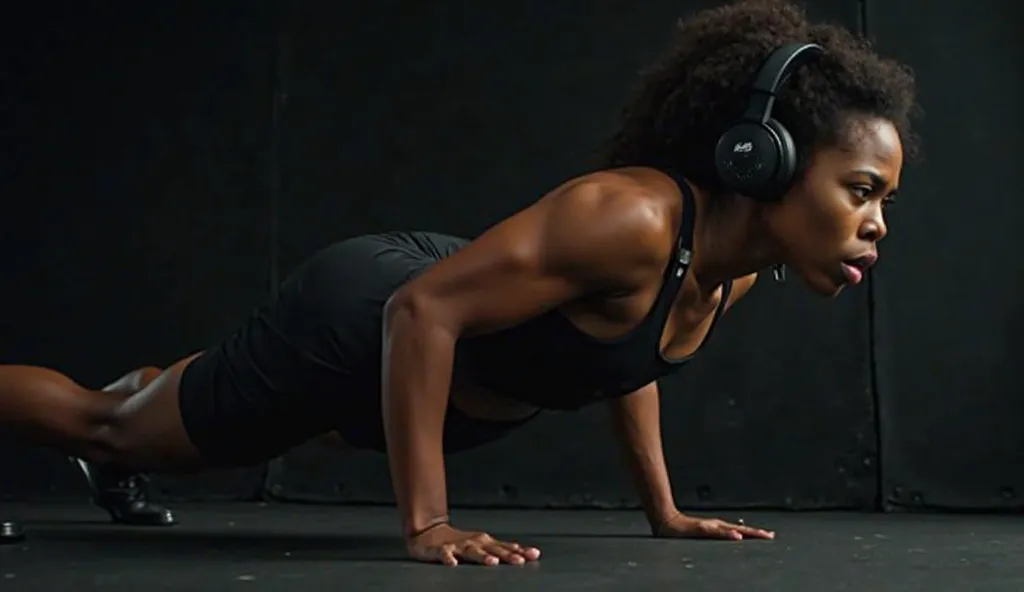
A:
(854, 269)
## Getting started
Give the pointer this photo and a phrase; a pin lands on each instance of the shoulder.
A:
(604, 231)
(633, 213)
(599, 233)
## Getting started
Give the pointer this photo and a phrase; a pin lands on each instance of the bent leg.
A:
(53, 410)
(134, 381)
(125, 495)
(140, 431)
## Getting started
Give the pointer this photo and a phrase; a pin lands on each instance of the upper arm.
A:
(590, 236)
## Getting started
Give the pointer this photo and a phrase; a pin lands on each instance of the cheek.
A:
(819, 223)
(828, 218)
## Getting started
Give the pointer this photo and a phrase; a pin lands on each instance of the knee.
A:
(146, 375)
(134, 381)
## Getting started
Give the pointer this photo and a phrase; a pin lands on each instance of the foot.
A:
(124, 495)
(11, 532)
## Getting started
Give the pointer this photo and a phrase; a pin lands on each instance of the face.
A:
(829, 224)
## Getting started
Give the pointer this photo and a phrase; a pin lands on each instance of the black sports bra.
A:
(549, 363)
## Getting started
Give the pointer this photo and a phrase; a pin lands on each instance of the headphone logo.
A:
(743, 147)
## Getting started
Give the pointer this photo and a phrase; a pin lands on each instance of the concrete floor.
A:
(295, 547)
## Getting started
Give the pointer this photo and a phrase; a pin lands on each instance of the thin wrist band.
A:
(438, 522)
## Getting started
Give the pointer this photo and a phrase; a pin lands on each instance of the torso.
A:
(623, 341)
(684, 332)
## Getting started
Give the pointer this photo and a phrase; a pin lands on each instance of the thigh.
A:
(333, 304)
(256, 395)
(326, 326)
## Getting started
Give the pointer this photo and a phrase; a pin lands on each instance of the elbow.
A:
(409, 307)
(403, 304)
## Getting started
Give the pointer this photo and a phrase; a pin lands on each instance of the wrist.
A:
(659, 511)
(419, 528)
(661, 520)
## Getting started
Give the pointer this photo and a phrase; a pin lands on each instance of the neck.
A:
(730, 240)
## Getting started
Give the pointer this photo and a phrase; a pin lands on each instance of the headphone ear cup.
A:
(747, 158)
(787, 162)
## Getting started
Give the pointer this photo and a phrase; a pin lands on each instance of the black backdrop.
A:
(166, 164)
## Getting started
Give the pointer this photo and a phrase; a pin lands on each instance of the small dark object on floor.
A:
(267, 547)
(11, 532)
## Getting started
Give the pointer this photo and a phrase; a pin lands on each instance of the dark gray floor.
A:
(287, 547)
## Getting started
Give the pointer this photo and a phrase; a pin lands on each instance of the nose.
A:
(873, 229)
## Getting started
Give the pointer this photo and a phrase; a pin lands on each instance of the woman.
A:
(421, 344)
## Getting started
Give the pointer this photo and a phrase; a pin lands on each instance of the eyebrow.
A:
(877, 179)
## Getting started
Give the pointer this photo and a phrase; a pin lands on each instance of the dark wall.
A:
(161, 187)
(951, 288)
(462, 113)
(137, 204)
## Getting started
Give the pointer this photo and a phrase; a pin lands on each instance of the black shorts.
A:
(309, 361)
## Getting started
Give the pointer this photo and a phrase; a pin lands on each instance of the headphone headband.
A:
(774, 72)
(756, 156)
(781, 63)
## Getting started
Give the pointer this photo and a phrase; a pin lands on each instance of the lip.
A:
(853, 274)
(863, 262)
(855, 268)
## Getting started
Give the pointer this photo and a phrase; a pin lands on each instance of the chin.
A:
(823, 285)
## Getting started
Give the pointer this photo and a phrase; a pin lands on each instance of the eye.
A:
(888, 201)
(862, 191)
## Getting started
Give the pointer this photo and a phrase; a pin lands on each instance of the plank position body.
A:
(419, 344)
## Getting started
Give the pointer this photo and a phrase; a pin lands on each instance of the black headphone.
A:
(756, 157)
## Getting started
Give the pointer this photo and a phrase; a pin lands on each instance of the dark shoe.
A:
(10, 533)
(124, 495)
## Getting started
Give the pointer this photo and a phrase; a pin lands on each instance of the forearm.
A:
(417, 361)
(637, 424)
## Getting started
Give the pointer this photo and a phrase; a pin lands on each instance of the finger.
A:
(721, 530)
(732, 534)
(750, 531)
(447, 556)
(755, 533)
(528, 553)
(477, 554)
(444, 554)
(505, 553)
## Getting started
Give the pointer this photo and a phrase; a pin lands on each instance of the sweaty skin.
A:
(595, 248)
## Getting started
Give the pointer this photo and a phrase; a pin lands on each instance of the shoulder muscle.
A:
(592, 234)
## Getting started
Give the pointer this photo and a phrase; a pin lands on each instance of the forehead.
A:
(866, 142)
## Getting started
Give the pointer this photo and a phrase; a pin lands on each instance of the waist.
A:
(555, 395)
(544, 378)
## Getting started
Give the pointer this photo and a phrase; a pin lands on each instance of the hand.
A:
(446, 545)
(682, 526)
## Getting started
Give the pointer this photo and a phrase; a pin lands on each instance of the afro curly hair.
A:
(687, 99)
